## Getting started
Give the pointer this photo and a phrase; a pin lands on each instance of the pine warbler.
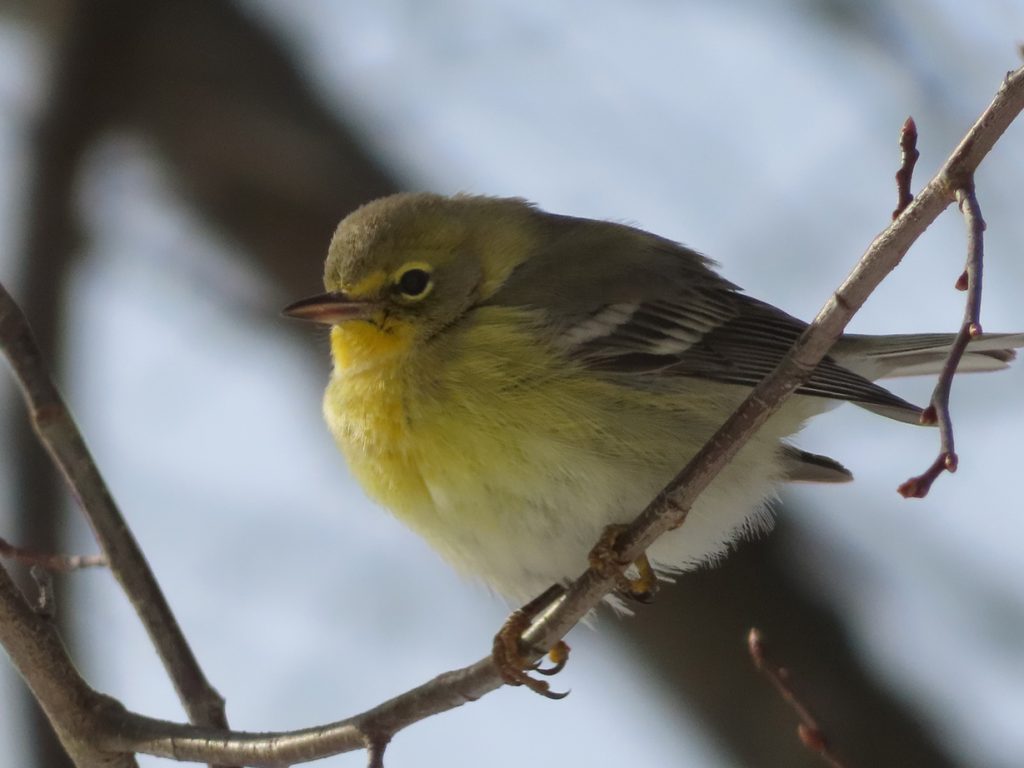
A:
(510, 382)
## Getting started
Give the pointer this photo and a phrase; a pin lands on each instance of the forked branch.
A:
(937, 411)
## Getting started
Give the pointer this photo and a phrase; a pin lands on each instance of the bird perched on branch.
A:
(510, 382)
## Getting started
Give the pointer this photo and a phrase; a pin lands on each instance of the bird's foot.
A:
(512, 660)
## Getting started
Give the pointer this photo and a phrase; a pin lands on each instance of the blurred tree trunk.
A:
(264, 162)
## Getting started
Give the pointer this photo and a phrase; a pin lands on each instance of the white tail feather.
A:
(879, 357)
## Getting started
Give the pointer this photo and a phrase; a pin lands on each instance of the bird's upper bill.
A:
(330, 309)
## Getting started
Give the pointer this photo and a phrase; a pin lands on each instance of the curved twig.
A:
(937, 411)
(809, 731)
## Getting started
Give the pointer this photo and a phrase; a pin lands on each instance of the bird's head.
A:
(403, 268)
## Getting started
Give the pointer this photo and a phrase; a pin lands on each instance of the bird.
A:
(511, 382)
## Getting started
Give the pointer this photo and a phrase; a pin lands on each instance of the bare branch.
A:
(131, 732)
(50, 561)
(59, 434)
(938, 410)
(809, 732)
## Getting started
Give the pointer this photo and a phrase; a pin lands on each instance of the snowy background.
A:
(753, 132)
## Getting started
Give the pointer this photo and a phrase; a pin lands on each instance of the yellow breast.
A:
(464, 426)
(365, 409)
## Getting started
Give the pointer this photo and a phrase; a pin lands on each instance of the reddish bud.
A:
(911, 489)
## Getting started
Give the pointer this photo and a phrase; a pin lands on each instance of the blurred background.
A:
(171, 175)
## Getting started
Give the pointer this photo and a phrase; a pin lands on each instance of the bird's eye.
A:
(414, 282)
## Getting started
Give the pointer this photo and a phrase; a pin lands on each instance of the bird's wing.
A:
(624, 301)
(720, 335)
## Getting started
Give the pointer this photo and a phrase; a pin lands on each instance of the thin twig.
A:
(938, 411)
(908, 159)
(50, 561)
(809, 731)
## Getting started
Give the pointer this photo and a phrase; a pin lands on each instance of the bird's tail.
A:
(920, 354)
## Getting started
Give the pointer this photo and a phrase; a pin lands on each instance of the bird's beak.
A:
(330, 309)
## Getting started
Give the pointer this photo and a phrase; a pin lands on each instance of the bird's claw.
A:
(559, 656)
(513, 665)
